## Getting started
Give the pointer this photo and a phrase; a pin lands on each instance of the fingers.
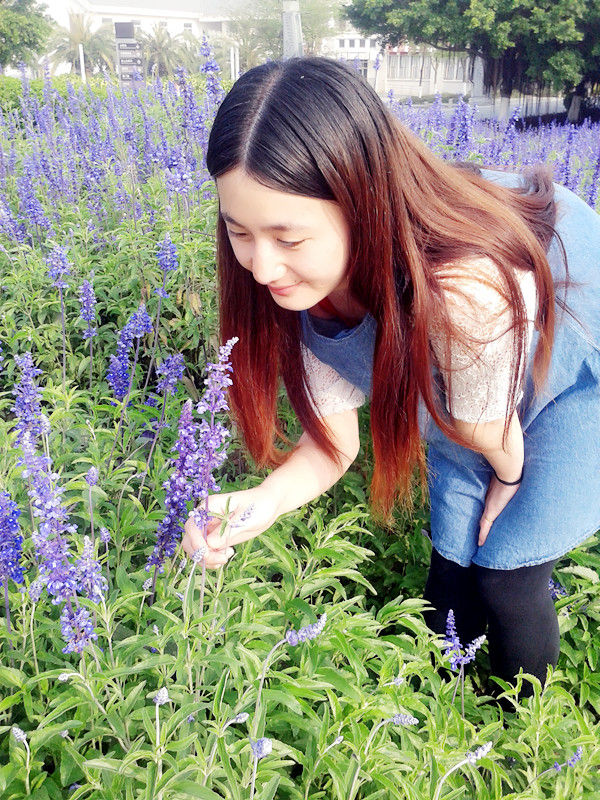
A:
(218, 558)
(484, 529)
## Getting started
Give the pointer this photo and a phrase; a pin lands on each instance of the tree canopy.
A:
(256, 27)
(98, 45)
(24, 29)
(524, 44)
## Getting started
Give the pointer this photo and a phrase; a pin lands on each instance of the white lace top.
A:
(478, 382)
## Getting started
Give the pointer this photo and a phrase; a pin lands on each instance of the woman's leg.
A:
(522, 622)
(450, 586)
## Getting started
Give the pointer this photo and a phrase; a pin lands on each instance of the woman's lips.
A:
(282, 289)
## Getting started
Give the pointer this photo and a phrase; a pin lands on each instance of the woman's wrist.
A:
(509, 482)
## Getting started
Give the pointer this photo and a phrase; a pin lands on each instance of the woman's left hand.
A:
(497, 498)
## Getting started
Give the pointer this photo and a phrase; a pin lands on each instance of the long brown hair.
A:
(313, 127)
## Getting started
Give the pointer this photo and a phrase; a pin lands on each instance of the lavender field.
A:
(304, 668)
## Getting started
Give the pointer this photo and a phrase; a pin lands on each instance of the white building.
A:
(199, 17)
(408, 70)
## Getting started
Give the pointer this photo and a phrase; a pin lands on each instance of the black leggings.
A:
(515, 604)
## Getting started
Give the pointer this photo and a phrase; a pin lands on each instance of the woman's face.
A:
(296, 246)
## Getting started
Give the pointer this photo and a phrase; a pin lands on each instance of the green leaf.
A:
(191, 789)
(268, 791)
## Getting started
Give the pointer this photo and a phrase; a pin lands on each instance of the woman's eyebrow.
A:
(229, 219)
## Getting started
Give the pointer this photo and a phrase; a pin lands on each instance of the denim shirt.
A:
(350, 350)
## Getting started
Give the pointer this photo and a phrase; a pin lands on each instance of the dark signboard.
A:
(124, 30)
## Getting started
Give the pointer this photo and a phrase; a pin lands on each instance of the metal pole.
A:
(82, 63)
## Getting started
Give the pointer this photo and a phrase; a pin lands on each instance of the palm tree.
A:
(163, 53)
(98, 45)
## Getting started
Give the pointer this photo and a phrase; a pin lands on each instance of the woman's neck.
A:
(346, 308)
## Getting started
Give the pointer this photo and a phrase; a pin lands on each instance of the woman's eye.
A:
(236, 234)
(289, 244)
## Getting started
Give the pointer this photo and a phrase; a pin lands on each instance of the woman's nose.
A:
(266, 265)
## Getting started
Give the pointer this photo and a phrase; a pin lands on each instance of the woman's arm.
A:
(486, 438)
(306, 474)
(309, 472)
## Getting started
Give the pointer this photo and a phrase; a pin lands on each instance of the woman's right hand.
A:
(251, 512)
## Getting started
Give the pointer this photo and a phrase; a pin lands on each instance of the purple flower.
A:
(213, 399)
(556, 590)
(87, 300)
(104, 535)
(58, 266)
(161, 697)
(474, 756)
(31, 208)
(293, 637)
(167, 261)
(92, 476)
(89, 578)
(172, 370)
(261, 747)
(10, 540)
(118, 373)
(27, 406)
(404, 719)
(77, 628)
(178, 490)
(167, 254)
(575, 757)
(453, 645)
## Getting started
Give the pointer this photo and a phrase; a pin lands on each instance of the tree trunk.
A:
(574, 108)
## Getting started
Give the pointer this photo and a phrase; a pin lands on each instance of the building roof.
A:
(214, 9)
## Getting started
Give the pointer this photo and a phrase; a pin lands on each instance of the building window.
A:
(340, 42)
(162, 23)
(361, 43)
(351, 42)
(373, 42)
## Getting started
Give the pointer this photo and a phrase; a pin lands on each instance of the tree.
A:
(163, 53)
(98, 45)
(525, 45)
(256, 27)
(24, 30)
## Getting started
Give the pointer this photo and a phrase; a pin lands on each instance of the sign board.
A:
(130, 64)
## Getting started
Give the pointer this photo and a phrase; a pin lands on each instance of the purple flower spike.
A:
(261, 747)
(58, 267)
(293, 637)
(87, 300)
(118, 373)
(167, 255)
(404, 719)
(172, 370)
(10, 540)
(77, 629)
(453, 646)
(575, 757)
(213, 399)
(90, 579)
(27, 406)
(92, 476)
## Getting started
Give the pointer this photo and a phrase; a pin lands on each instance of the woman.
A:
(353, 263)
